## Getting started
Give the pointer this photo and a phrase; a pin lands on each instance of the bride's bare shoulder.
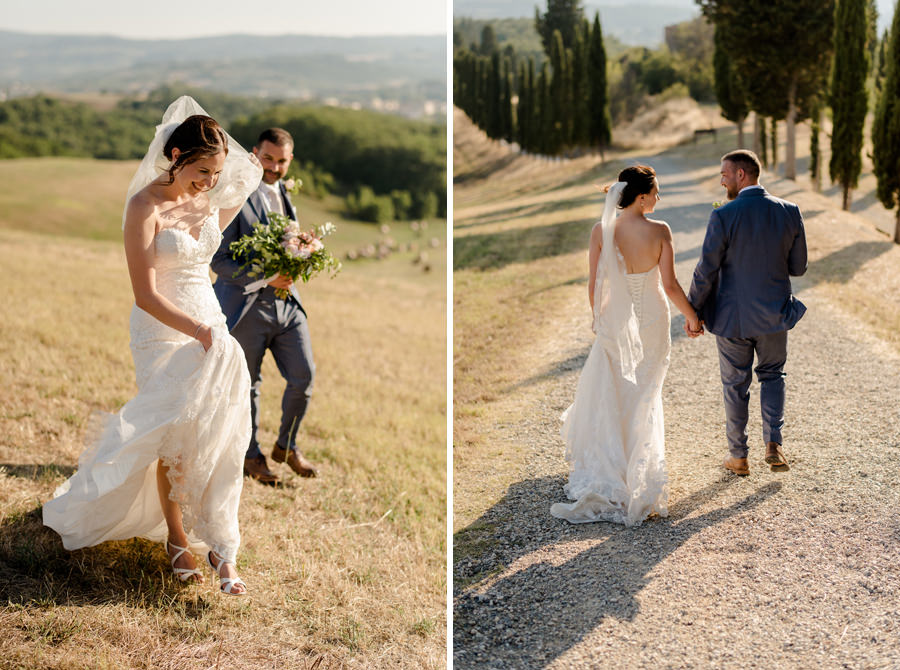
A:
(660, 227)
(141, 208)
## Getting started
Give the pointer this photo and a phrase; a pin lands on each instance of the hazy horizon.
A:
(338, 18)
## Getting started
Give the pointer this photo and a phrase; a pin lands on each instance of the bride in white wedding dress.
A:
(169, 465)
(614, 429)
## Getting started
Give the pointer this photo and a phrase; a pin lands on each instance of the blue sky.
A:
(160, 20)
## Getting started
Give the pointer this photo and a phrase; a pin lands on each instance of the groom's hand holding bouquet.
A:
(280, 253)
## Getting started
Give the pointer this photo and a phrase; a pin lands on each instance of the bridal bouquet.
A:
(281, 248)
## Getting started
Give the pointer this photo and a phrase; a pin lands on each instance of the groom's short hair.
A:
(277, 136)
(745, 160)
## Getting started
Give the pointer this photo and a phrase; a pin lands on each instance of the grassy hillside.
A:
(348, 568)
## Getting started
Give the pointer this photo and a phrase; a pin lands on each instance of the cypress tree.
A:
(761, 130)
(774, 137)
(880, 68)
(560, 94)
(781, 72)
(848, 94)
(729, 90)
(493, 118)
(580, 87)
(534, 111)
(488, 41)
(523, 106)
(506, 110)
(545, 139)
(599, 132)
(886, 128)
(562, 15)
(815, 153)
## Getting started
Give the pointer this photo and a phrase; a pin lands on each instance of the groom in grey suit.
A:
(742, 292)
(261, 320)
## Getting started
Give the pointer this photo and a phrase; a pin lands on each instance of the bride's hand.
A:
(204, 334)
(693, 326)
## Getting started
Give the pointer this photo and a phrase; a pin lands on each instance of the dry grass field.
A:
(766, 571)
(347, 570)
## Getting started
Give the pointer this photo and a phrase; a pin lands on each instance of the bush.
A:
(366, 206)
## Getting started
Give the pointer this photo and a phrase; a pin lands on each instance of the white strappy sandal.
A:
(184, 574)
(226, 584)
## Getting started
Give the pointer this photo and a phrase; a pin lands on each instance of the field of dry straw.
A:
(346, 570)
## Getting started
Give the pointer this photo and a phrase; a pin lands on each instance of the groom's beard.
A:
(732, 193)
(270, 176)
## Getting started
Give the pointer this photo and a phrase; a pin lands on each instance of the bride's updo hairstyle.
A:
(638, 181)
(197, 137)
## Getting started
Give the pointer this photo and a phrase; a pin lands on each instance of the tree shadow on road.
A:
(841, 265)
(494, 626)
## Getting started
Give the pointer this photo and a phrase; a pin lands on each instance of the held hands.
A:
(282, 282)
(693, 326)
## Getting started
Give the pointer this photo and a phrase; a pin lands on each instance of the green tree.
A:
(561, 95)
(886, 128)
(580, 87)
(729, 89)
(488, 41)
(848, 94)
(815, 152)
(545, 113)
(599, 128)
(507, 118)
(798, 33)
(880, 67)
(493, 115)
(562, 15)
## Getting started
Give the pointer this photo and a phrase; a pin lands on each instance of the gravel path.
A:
(775, 570)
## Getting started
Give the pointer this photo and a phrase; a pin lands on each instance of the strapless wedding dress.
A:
(192, 411)
(614, 429)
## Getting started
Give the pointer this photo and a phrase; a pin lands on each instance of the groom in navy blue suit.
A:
(261, 320)
(742, 292)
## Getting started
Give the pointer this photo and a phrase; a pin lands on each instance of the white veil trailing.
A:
(615, 322)
(239, 178)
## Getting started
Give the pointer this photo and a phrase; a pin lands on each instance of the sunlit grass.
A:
(347, 568)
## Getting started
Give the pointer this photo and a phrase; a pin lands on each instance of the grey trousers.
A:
(279, 326)
(735, 363)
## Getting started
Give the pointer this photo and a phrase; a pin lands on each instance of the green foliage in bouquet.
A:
(281, 248)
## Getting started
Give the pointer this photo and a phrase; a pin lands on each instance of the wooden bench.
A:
(704, 131)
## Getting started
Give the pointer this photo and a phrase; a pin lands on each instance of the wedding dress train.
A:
(614, 429)
(192, 412)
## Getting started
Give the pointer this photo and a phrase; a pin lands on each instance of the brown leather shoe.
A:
(257, 468)
(738, 466)
(294, 459)
(775, 458)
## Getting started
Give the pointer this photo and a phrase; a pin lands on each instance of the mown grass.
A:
(345, 570)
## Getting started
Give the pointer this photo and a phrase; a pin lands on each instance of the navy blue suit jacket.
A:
(753, 246)
(228, 287)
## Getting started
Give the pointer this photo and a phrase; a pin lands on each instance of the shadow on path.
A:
(496, 627)
(841, 265)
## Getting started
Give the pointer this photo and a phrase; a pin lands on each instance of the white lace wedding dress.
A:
(192, 411)
(614, 429)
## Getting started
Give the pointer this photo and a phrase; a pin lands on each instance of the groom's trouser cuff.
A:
(735, 366)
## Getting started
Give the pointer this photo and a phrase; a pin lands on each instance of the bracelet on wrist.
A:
(198, 330)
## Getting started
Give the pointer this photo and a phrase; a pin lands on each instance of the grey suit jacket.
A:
(753, 246)
(228, 287)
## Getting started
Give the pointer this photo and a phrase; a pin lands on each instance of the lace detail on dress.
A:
(614, 431)
(192, 411)
(636, 289)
